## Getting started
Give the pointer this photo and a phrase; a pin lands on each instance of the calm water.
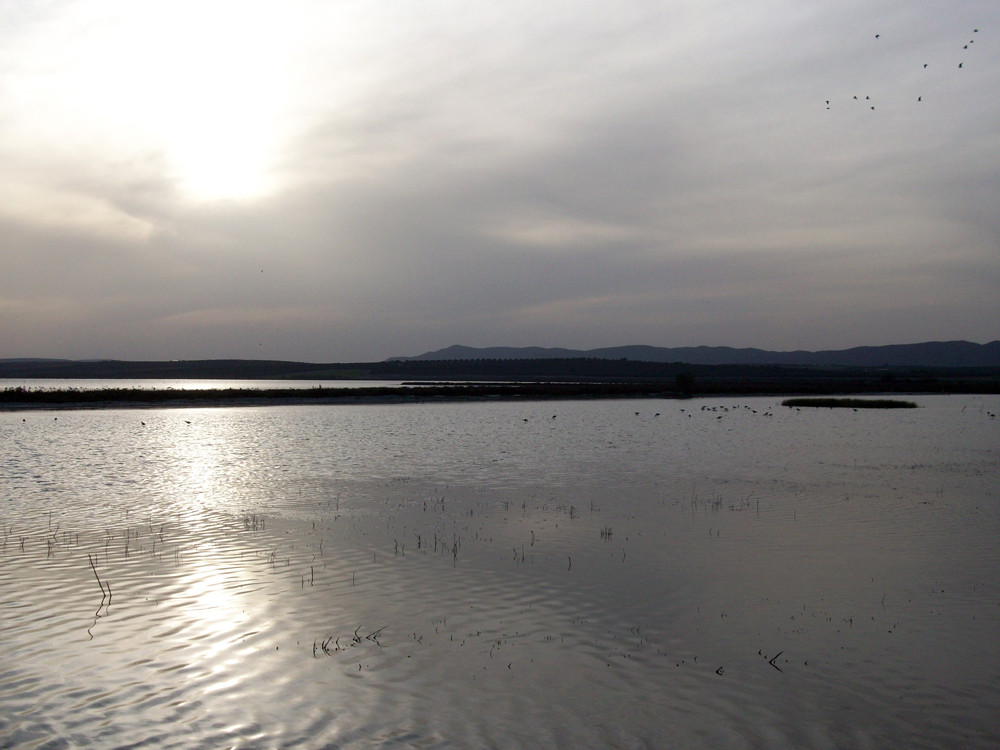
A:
(83, 384)
(728, 572)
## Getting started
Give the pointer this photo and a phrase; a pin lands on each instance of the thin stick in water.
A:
(94, 568)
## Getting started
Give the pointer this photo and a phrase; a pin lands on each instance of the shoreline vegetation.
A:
(466, 380)
(850, 403)
(17, 399)
(12, 399)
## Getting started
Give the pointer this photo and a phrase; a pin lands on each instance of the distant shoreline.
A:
(21, 399)
(141, 398)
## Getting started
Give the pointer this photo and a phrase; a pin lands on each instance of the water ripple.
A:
(319, 576)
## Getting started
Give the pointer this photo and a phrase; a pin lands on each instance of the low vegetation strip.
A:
(22, 398)
(852, 403)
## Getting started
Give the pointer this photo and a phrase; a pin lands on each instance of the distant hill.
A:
(535, 363)
(928, 354)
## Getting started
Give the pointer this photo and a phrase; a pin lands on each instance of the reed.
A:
(93, 567)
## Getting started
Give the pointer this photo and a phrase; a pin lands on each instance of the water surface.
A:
(183, 384)
(699, 573)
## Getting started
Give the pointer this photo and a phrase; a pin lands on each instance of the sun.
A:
(209, 92)
(198, 88)
(218, 137)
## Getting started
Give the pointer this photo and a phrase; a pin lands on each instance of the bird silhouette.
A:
(960, 65)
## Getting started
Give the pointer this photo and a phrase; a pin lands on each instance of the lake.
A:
(186, 384)
(721, 572)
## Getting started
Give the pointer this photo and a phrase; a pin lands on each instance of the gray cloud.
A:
(560, 175)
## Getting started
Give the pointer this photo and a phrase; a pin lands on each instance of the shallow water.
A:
(182, 384)
(725, 572)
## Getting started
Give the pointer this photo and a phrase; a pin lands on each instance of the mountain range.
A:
(927, 354)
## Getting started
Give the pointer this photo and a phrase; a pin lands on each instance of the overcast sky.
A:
(350, 181)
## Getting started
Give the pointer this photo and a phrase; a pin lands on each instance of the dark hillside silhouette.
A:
(927, 354)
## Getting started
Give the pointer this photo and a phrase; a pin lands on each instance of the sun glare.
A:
(211, 96)
(198, 85)
(207, 97)
(218, 146)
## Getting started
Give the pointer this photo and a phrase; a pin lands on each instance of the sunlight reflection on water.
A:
(502, 574)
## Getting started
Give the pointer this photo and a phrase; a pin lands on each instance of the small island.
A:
(852, 403)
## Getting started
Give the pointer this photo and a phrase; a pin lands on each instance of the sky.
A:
(337, 181)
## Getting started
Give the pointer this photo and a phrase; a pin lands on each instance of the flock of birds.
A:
(766, 413)
(868, 100)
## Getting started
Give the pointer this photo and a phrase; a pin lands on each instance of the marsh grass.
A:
(851, 403)
(20, 397)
